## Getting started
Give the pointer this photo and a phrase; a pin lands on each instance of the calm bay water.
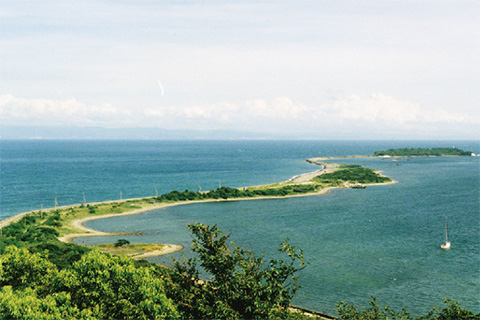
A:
(382, 241)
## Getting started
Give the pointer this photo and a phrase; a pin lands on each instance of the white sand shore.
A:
(167, 249)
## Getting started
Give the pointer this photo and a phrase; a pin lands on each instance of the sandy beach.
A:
(167, 249)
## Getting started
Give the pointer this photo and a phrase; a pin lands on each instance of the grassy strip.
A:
(70, 214)
(129, 250)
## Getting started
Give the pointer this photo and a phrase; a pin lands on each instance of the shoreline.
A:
(168, 249)
(5, 222)
(78, 224)
(95, 233)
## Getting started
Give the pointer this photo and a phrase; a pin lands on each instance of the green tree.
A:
(98, 287)
(26, 304)
(21, 269)
(348, 311)
(452, 311)
(241, 287)
(118, 288)
(122, 242)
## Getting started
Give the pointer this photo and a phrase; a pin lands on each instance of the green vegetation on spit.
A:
(344, 175)
(351, 174)
(232, 193)
(44, 278)
(420, 152)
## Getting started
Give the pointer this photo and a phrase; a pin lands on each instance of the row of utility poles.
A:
(85, 201)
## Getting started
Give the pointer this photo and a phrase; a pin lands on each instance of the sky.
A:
(325, 69)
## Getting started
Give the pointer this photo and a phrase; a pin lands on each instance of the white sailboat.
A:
(446, 244)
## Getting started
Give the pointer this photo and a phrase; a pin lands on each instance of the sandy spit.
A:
(167, 249)
(170, 248)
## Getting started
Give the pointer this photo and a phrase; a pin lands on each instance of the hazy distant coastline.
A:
(100, 133)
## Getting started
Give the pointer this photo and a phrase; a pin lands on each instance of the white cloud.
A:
(278, 108)
(380, 108)
(375, 113)
(257, 115)
(20, 111)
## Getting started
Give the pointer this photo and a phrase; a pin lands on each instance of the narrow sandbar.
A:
(170, 248)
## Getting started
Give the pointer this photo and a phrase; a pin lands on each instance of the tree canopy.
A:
(241, 286)
(98, 286)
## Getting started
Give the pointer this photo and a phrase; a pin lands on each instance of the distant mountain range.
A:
(18, 132)
(99, 133)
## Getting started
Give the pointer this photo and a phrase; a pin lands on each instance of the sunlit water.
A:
(382, 241)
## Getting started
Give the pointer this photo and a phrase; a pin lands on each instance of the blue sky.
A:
(323, 69)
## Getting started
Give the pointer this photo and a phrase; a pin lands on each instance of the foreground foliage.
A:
(452, 311)
(99, 286)
(42, 285)
(96, 287)
(240, 285)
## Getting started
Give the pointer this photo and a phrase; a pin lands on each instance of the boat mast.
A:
(446, 229)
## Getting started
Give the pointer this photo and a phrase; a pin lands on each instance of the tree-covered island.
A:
(42, 277)
(423, 152)
(403, 152)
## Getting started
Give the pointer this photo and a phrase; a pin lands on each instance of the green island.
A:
(403, 152)
(43, 275)
(423, 152)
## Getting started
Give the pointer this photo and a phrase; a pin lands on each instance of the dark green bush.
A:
(122, 242)
(352, 174)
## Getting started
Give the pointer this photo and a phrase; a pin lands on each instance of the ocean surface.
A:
(381, 241)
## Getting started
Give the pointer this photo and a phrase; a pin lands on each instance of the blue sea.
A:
(381, 241)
